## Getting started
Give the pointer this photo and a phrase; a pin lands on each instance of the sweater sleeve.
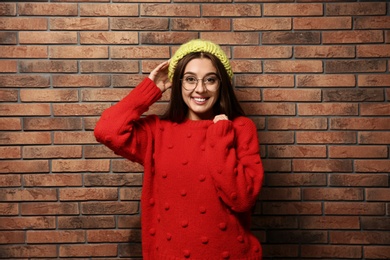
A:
(121, 127)
(235, 164)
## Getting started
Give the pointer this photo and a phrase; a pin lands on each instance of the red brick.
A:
(293, 66)
(35, 194)
(44, 95)
(7, 9)
(25, 110)
(46, 66)
(108, 37)
(25, 138)
(248, 94)
(24, 81)
(329, 222)
(108, 9)
(48, 37)
(7, 37)
(108, 66)
(12, 166)
(90, 250)
(75, 23)
(372, 80)
(49, 9)
(375, 223)
(349, 66)
(369, 109)
(276, 137)
(296, 236)
(280, 250)
(322, 251)
(243, 38)
(10, 180)
(49, 208)
(239, 10)
(374, 137)
(98, 151)
(83, 109)
(291, 38)
(339, 194)
(9, 124)
(81, 80)
(277, 165)
(292, 208)
(132, 193)
(80, 165)
(52, 152)
(170, 10)
(200, 24)
(296, 151)
(129, 222)
(322, 165)
(16, 223)
(252, 108)
(103, 94)
(330, 80)
(78, 52)
(254, 52)
(376, 252)
(297, 123)
(324, 52)
(380, 166)
(280, 194)
(293, 9)
(85, 222)
(358, 237)
(366, 123)
(288, 95)
(101, 208)
(265, 81)
(28, 251)
(322, 23)
(355, 9)
(372, 22)
(354, 208)
(369, 51)
(23, 52)
(138, 24)
(352, 37)
(23, 24)
(126, 179)
(358, 151)
(49, 180)
(166, 37)
(9, 95)
(341, 109)
(120, 52)
(378, 194)
(58, 237)
(82, 194)
(74, 138)
(8, 66)
(312, 137)
(358, 180)
(296, 179)
(8, 209)
(126, 166)
(12, 237)
(262, 24)
(122, 236)
(10, 153)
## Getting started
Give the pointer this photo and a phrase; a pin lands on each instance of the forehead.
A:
(200, 66)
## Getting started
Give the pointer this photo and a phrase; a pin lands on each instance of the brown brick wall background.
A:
(313, 76)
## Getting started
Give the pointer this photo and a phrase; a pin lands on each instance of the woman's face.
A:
(200, 88)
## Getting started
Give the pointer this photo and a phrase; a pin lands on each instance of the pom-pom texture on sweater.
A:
(201, 179)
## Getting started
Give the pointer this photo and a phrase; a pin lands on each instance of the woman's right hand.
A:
(160, 76)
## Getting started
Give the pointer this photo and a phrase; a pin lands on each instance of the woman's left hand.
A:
(220, 117)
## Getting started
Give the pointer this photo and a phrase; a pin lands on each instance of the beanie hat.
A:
(199, 45)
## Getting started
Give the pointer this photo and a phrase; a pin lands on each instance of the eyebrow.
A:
(208, 74)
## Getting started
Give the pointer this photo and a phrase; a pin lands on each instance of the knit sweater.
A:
(201, 179)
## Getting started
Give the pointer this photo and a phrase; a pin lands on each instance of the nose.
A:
(202, 87)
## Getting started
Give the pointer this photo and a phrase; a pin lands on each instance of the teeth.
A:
(200, 99)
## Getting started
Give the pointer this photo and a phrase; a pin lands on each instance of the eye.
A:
(190, 79)
(210, 80)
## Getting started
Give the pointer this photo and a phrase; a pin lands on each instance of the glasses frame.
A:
(204, 85)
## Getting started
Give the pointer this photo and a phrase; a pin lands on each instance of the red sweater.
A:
(201, 179)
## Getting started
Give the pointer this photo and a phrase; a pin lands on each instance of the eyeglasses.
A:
(211, 82)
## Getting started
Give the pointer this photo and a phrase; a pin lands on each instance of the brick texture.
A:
(313, 76)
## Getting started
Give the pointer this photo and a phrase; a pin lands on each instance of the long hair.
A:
(227, 102)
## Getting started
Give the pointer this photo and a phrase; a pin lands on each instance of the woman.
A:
(202, 169)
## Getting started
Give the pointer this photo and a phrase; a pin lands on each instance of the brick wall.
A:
(314, 77)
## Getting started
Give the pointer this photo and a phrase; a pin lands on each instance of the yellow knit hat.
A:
(199, 45)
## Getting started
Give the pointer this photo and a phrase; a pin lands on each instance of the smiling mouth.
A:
(199, 100)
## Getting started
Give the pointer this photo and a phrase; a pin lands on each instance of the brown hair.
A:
(227, 102)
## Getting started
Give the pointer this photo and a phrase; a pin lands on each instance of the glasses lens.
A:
(210, 82)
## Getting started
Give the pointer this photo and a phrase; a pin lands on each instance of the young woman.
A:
(202, 169)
